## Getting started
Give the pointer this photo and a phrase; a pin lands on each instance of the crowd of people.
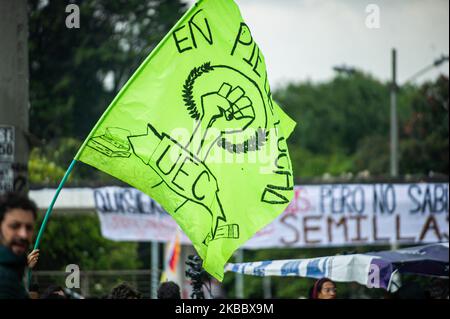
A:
(17, 223)
(124, 290)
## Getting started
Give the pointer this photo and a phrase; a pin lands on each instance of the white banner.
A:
(318, 216)
(374, 270)
(130, 215)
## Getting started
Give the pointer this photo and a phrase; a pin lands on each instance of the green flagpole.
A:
(49, 212)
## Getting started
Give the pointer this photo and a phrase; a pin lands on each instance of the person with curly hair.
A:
(169, 290)
(124, 291)
(17, 220)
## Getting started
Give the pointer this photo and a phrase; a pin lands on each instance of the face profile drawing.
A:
(234, 107)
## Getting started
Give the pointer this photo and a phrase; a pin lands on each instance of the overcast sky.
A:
(304, 39)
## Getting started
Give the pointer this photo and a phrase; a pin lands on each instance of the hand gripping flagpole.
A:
(49, 212)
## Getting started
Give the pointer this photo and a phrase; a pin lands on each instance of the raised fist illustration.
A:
(229, 110)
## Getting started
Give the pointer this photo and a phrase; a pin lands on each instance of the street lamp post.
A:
(343, 69)
(394, 126)
(435, 64)
(394, 122)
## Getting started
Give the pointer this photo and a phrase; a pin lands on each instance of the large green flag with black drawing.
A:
(196, 129)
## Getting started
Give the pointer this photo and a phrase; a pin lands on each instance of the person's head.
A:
(17, 219)
(34, 291)
(437, 289)
(323, 288)
(124, 291)
(54, 292)
(169, 290)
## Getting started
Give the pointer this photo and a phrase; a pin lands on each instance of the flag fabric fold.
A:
(373, 269)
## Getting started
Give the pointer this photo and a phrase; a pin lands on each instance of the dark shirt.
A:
(11, 274)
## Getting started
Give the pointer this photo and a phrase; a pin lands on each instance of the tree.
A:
(75, 73)
(75, 239)
(333, 119)
(425, 134)
(336, 115)
(343, 126)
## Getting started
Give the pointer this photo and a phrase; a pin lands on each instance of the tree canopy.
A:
(75, 73)
(343, 126)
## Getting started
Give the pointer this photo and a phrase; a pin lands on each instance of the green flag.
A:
(196, 129)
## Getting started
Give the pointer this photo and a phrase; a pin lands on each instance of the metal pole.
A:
(394, 125)
(394, 129)
(85, 289)
(267, 287)
(240, 277)
(155, 272)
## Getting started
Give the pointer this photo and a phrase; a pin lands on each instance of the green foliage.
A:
(42, 170)
(307, 164)
(344, 126)
(334, 116)
(373, 155)
(76, 239)
(68, 67)
(47, 165)
(425, 134)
